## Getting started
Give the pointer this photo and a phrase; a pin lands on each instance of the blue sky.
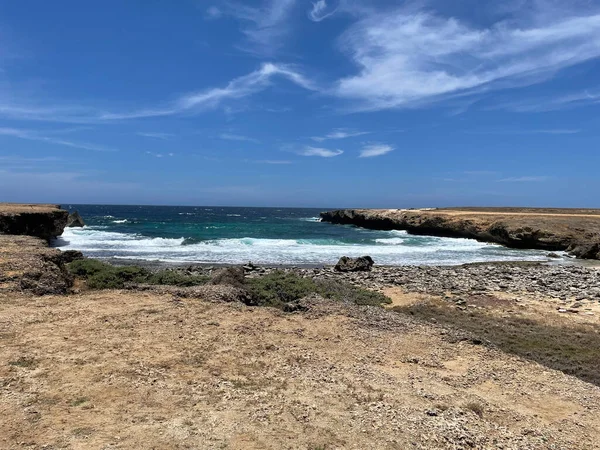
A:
(327, 103)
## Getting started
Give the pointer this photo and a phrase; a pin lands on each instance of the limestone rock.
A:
(75, 220)
(360, 264)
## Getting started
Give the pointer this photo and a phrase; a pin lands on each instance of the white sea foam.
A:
(390, 241)
(392, 251)
(120, 221)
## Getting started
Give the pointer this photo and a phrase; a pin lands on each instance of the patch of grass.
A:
(475, 407)
(79, 401)
(100, 275)
(281, 288)
(25, 362)
(572, 349)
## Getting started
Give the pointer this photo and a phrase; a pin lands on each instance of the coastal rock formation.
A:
(575, 231)
(26, 262)
(360, 264)
(43, 221)
(28, 265)
(75, 220)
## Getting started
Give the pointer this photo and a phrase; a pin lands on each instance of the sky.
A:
(326, 103)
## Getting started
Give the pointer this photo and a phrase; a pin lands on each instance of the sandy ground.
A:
(114, 369)
(15, 208)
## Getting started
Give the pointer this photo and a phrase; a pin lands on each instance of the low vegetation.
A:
(278, 289)
(99, 275)
(573, 349)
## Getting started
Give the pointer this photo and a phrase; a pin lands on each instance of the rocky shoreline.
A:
(574, 231)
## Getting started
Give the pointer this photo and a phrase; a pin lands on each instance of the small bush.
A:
(87, 267)
(172, 278)
(99, 275)
(280, 288)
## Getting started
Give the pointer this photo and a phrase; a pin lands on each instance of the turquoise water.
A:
(294, 236)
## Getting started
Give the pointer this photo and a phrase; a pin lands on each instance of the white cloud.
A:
(275, 161)
(525, 179)
(33, 135)
(409, 58)
(550, 103)
(320, 11)
(322, 152)
(266, 26)
(237, 137)
(213, 12)
(152, 135)
(241, 87)
(190, 103)
(159, 155)
(375, 150)
(339, 133)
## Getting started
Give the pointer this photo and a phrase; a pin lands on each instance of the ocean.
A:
(268, 236)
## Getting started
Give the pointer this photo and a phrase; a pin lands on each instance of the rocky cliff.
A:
(575, 231)
(27, 264)
(43, 221)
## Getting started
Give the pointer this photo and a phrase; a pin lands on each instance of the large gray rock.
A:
(360, 264)
(75, 220)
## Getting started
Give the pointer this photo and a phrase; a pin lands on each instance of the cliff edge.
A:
(43, 221)
(574, 231)
(27, 264)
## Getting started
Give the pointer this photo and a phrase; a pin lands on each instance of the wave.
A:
(415, 250)
(120, 221)
(390, 241)
(310, 219)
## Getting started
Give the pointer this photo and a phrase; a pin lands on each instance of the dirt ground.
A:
(16, 208)
(131, 370)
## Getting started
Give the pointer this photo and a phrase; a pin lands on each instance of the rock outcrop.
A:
(75, 220)
(43, 221)
(27, 264)
(575, 231)
(360, 264)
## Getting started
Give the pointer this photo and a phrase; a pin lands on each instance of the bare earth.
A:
(18, 208)
(115, 369)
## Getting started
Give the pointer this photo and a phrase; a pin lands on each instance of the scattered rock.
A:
(360, 264)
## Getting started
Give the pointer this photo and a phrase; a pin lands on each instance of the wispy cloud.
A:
(275, 161)
(213, 13)
(193, 102)
(554, 103)
(553, 131)
(160, 155)
(238, 137)
(163, 136)
(266, 27)
(524, 179)
(339, 133)
(322, 152)
(32, 135)
(320, 11)
(415, 57)
(372, 150)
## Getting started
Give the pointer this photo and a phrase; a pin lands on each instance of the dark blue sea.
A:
(288, 236)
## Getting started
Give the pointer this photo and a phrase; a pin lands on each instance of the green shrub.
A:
(172, 278)
(87, 267)
(279, 288)
(99, 275)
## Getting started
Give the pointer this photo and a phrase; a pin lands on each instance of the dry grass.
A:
(573, 348)
(114, 369)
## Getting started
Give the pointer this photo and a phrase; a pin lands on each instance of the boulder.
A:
(230, 276)
(68, 256)
(360, 264)
(75, 220)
